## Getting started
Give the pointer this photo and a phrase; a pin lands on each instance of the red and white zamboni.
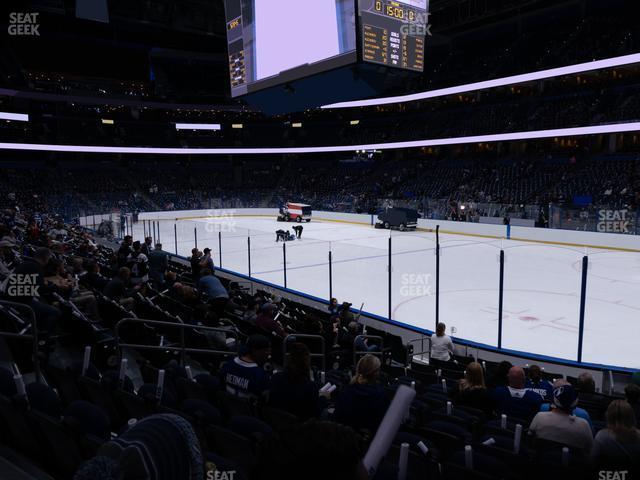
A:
(295, 212)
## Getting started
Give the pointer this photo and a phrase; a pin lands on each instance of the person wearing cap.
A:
(157, 447)
(244, 376)
(560, 424)
(578, 412)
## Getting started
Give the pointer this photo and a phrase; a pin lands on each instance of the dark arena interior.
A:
(319, 239)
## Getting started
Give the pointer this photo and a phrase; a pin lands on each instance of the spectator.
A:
(560, 425)
(138, 264)
(499, 378)
(118, 289)
(251, 312)
(538, 385)
(146, 246)
(244, 376)
(333, 306)
(472, 391)
(362, 404)
(124, 251)
(515, 400)
(197, 262)
(158, 265)
(578, 412)
(441, 344)
(93, 278)
(313, 450)
(217, 295)
(158, 447)
(617, 447)
(632, 394)
(293, 390)
(266, 320)
(587, 396)
(207, 260)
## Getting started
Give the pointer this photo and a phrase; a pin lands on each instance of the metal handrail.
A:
(33, 336)
(312, 355)
(422, 350)
(183, 349)
(367, 352)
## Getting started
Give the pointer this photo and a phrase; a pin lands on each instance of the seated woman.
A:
(362, 404)
(617, 447)
(292, 390)
(472, 391)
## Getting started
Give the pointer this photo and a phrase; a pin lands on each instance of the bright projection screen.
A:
(271, 42)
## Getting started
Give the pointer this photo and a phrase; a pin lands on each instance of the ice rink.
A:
(541, 295)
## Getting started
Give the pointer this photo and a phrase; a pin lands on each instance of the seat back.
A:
(62, 445)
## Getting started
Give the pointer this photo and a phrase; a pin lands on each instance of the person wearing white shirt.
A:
(441, 344)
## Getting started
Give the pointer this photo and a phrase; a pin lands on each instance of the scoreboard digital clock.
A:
(393, 32)
(396, 10)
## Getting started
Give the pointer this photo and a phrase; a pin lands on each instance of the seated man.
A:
(538, 385)
(244, 376)
(560, 425)
(515, 400)
(267, 322)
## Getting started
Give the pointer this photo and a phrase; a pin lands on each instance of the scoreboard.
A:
(393, 32)
(278, 42)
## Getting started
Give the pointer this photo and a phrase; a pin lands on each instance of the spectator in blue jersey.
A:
(244, 376)
(362, 404)
(515, 400)
(536, 384)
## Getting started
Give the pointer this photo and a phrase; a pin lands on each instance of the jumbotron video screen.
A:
(393, 32)
(272, 42)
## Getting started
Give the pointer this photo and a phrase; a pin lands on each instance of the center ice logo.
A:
(221, 221)
(613, 221)
(416, 285)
